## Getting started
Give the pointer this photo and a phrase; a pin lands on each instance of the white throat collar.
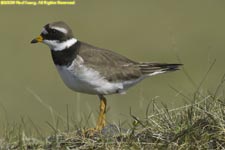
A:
(57, 46)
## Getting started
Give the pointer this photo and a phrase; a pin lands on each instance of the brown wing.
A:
(112, 66)
(115, 67)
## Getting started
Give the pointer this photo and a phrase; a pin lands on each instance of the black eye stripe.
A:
(54, 30)
(54, 34)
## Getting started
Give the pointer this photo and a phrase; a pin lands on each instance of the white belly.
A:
(82, 79)
(87, 80)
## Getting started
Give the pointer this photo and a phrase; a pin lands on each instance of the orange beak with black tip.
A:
(39, 39)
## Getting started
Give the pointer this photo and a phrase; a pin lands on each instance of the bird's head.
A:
(57, 35)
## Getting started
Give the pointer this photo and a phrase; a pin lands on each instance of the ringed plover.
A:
(92, 70)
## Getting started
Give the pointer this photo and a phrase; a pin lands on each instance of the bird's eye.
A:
(54, 31)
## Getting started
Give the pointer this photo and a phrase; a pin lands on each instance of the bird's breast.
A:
(87, 80)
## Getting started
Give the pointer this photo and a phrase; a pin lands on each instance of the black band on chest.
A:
(66, 56)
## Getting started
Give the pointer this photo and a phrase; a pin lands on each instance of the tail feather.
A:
(157, 68)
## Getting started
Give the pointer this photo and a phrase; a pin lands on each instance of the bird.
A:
(92, 70)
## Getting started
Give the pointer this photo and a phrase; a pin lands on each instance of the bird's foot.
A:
(94, 131)
(91, 132)
(101, 120)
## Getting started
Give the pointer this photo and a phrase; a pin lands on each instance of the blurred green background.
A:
(146, 30)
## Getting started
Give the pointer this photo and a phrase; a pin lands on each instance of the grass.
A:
(200, 124)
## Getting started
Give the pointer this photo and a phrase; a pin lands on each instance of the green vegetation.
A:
(197, 125)
(141, 30)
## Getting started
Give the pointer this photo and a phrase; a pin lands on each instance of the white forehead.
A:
(44, 31)
(61, 29)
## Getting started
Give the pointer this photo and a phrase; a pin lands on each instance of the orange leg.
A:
(101, 118)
